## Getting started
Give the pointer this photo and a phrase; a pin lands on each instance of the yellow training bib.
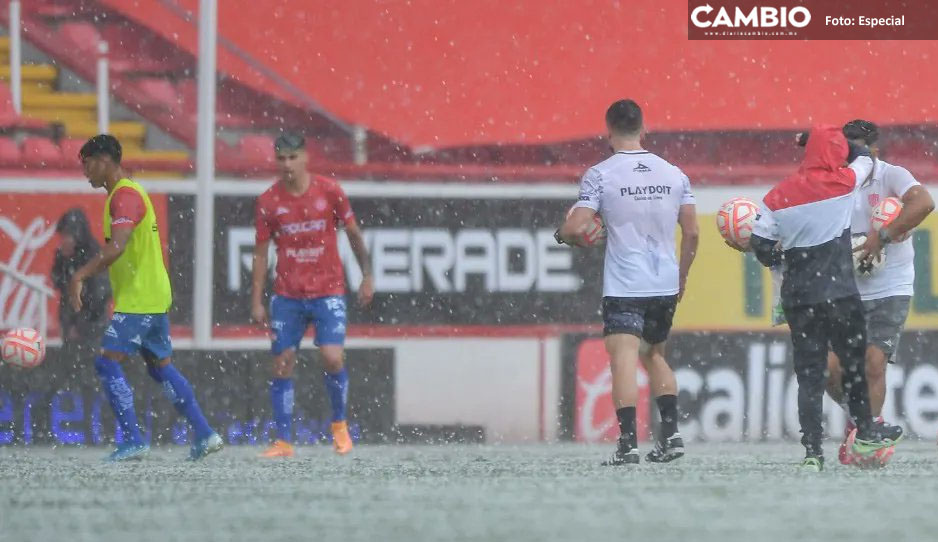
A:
(139, 278)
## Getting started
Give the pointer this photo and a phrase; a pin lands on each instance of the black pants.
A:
(840, 325)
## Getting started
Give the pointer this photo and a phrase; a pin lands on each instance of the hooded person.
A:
(804, 221)
(77, 246)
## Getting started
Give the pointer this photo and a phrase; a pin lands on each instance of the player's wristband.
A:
(884, 237)
(558, 238)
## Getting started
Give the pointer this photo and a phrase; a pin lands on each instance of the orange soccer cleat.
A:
(341, 440)
(280, 448)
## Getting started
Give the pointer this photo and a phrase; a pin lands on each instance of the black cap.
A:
(288, 142)
(862, 129)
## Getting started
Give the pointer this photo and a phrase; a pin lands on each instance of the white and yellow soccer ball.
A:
(865, 268)
(736, 218)
(23, 347)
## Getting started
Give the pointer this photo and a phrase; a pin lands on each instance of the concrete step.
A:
(46, 73)
(65, 116)
(60, 100)
(155, 155)
(129, 133)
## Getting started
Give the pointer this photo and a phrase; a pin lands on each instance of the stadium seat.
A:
(70, 148)
(188, 90)
(161, 91)
(8, 115)
(10, 119)
(82, 35)
(10, 155)
(51, 9)
(6, 100)
(41, 152)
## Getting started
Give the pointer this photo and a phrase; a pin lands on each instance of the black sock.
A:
(667, 406)
(626, 417)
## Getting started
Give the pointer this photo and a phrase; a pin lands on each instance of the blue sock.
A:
(281, 397)
(121, 396)
(154, 372)
(179, 391)
(337, 386)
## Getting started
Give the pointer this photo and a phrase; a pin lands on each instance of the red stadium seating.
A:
(11, 120)
(10, 154)
(80, 35)
(70, 148)
(40, 152)
(161, 92)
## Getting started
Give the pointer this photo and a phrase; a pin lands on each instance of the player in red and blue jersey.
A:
(300, 213)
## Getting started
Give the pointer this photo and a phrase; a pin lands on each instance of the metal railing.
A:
(16, 57)
(37, 287)
(104, 90)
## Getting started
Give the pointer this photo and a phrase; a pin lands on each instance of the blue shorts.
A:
(146, 334)
(289, 318)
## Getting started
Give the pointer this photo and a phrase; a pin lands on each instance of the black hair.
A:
(624, 117)
(289, 142)
(105, 144)
(862, 129)
(75, 223)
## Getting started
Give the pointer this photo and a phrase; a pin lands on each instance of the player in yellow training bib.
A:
(133, 257)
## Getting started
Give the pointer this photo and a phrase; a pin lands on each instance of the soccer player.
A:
(133, 256)
(805, 221)
(300, 213)
(641, 198)
(887, 292)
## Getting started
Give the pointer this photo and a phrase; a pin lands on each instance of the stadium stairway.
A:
(76, 115)
(154, 78)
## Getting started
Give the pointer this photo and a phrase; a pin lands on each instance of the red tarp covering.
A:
(455, 72)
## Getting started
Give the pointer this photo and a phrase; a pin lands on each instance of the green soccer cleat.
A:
(812, 464)
(867, 449)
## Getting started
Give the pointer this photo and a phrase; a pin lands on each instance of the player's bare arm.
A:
(690, 236)
(366, 291)
(108, 255)
(917, 203)
(258, 282)
(581, 228)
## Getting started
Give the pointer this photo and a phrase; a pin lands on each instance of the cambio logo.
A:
(756, 17)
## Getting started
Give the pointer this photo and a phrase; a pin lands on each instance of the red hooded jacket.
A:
(808, 215)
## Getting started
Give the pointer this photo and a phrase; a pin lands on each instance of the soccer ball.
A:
(735, 219)
(23, 347)
(885, 212)
(864, 268)
(595, 233)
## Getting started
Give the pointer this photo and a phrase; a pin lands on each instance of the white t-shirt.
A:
(896, 277)
(638, 194)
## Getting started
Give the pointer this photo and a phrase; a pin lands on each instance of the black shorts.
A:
(885, 320)
(648, 318)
